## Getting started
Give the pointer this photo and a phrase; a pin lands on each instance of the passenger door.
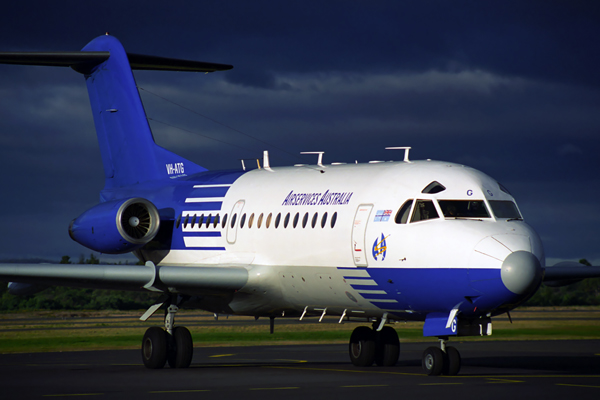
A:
(361, 218)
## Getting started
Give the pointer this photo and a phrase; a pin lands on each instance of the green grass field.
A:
(69, 331)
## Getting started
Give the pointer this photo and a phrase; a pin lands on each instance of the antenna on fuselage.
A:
(246, 159)
(406, 150)
(320, 153)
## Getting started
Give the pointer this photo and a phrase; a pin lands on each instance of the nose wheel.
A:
(441, 360)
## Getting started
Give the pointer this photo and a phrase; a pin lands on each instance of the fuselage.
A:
(406, 238)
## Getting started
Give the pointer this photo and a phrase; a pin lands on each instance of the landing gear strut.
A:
(368, 346)
(441, 360)
(172, 344)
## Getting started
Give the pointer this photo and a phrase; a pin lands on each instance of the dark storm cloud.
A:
(508, 87)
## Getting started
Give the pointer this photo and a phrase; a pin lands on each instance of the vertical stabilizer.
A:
(129, 153)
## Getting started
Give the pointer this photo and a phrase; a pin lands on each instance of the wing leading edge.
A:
(129, 277)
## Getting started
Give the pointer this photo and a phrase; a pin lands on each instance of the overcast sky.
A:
(511, 88)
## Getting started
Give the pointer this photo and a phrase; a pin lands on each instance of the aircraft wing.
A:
(129, 277)
(568, 272)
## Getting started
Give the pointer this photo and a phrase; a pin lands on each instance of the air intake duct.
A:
(116, 227)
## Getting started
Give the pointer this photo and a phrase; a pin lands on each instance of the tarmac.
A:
(504, 370)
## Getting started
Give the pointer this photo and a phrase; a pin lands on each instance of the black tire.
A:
(154, 348)
(452, 362)
(433, 361)
(362, 347)
(387, 347)
(181, 348)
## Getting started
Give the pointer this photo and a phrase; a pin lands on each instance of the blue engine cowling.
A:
(116, 227)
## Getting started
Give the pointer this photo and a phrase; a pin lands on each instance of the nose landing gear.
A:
(441, 360)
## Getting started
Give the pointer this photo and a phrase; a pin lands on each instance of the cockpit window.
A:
(464, 209)
(404, 212)
(505, 209)
(424, 210)
(504, 189)
(434, 187)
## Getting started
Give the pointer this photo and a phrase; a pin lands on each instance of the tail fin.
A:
(128, 150)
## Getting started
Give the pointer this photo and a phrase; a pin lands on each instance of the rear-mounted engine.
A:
(116, 227)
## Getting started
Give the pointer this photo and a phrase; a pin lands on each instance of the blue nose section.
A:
(521, 272)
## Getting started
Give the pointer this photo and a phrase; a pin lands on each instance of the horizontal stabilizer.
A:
(85, 61)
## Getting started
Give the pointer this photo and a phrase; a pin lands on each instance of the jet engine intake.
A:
(116, 227)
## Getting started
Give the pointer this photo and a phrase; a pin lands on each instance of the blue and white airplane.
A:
(381, 242)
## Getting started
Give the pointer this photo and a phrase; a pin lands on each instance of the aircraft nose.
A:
(521, 272)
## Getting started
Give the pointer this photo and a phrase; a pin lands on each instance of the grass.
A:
(52, 331)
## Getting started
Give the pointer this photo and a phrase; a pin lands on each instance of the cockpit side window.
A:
(424, 210)
(464, 209)
(434, 187)
(403, 212)
(505, 209)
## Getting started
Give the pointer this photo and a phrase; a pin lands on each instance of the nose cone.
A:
(521, 272)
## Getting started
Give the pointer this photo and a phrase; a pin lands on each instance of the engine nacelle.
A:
(116, 227)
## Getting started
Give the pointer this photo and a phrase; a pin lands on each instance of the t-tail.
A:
(129, 153)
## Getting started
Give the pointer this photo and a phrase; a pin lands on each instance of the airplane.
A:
(380, 242)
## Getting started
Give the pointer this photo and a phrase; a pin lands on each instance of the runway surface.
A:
(491, 370)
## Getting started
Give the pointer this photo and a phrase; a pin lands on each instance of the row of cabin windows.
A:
(208, 220)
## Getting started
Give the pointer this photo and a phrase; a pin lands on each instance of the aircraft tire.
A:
(387, 347)
(181, 349)
(362, 347)
(433, 361)
(452, 362)
(154, 348)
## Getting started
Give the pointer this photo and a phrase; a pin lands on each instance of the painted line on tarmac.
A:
(585, 386)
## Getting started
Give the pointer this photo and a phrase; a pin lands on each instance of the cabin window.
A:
(333, 219)
(224, 223)
(323, 220)
(268, 223)
(505, 209)
(304, 220)
(178, 222)
(464, 209)
(185, 221)
(233, 220)
(434, 187)
(242, 220)
(286, 221)
(193, 221)
(313, 223)
(216, 221)
(250, 220)
(277, 220)
(404, 212)
(296, 218)
(259, 222)
(424, 210)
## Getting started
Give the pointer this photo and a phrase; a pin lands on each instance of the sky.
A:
(511, 88)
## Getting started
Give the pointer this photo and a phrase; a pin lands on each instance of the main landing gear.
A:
(441, 360)
(172, 344)
(368, 346)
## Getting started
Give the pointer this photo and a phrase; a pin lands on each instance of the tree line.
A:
(584, 293)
